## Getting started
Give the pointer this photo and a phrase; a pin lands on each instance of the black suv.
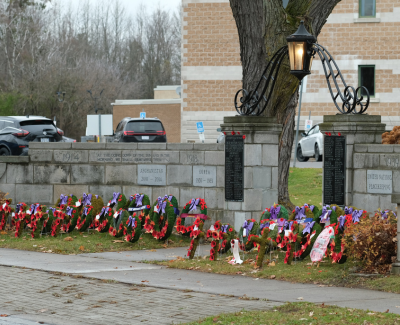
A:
(17, 131)
(140, 130)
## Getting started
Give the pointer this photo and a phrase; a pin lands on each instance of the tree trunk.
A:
(263, 26)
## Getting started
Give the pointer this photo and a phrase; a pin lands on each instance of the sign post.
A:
(143, 115)
(308, 125)
(200, 130)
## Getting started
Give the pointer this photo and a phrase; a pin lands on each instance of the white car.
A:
(311, 145)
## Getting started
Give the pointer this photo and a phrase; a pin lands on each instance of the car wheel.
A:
(4, 152)
(317, 155)
(300, 156)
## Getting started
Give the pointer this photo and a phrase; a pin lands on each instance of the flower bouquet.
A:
(5, 211)
(58, 221)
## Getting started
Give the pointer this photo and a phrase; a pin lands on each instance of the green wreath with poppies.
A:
(189, 206)
(104, 219)
(249, 229)
(133, 229)
(139, 204)
(5, 211)
(120, 218)
(118, 201)
(86, 218)
(196, 235)
(163, 216)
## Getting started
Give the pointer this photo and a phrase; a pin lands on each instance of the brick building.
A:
(362, 36)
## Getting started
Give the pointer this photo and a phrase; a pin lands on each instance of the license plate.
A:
(145, 137)
(44, 140)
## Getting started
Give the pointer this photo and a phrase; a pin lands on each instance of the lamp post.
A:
(301, 49)
(61, 100)
(96, 109)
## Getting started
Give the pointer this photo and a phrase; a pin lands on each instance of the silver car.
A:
(311, 145)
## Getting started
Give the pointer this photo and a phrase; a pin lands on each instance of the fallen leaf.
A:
(239, 272)
(300, 298)
(118, 241)
(3, 233)
(68, 239)
(387, 311)
(271, 264)
(84, 236)
(3, 315)
(272, 277)
(81, 248)
(42, 310)
(303, 319)
(311, 313)
(145, 281)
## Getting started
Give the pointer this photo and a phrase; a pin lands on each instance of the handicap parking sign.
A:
(200, 127)
(142, 114)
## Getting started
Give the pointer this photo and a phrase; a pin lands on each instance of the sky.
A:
(133, 5)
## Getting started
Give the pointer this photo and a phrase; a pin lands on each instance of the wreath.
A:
(118, 201)
(20, 220)
(5, 211)
(49, 221)
(95, 201)
(133, 229)
(249, 228)
(222, 236)
(119, 219)
(139, 203)
(192, 205)
(263, 241)
(103, 220)
(195, 234)
(86, 218)
(37, 220)
(66, 200)
(70, 219)
(302, 213)
(276, 211)
(58, 220)
(163, 217)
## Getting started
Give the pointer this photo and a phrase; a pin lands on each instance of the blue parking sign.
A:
(200, 127)
(142, 114)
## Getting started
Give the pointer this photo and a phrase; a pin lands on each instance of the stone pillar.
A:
(396, 265)
(357, 129)
(260, 166)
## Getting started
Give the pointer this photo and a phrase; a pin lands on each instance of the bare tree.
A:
(263, 26)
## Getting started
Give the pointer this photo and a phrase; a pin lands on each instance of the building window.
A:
(366, 78)
(367, 8)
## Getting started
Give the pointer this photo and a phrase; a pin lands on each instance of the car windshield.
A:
(37, 125)
(144, 126)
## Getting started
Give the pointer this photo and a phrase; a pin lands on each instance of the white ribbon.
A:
(235, 248)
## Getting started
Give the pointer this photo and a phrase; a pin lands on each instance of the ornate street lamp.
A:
(301, 49)
(301, 52)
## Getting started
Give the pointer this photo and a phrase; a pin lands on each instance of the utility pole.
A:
(61, 100)
(96, 109)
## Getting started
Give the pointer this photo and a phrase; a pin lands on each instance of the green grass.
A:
(328, 274)
(84, 242)
(305, 186)
(300, 313)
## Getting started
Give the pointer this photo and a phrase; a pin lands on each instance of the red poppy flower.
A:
(212, 258)
(215, 235)
(221, 235)
(188, 254)
(224, 244)
(217, 226)
(213, 243)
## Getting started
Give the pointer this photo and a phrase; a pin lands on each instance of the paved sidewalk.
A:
(31, 296)
(121, 267)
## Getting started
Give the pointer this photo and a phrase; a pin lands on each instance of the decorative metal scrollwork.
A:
(255, 102)
(351, 97)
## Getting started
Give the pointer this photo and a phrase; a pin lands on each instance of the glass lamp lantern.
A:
(300, 52)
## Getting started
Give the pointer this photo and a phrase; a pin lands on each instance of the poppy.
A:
(230, 229)
(215, 235)
(213, 243)
(212, 258)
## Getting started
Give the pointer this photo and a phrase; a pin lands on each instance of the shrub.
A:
(373, 242)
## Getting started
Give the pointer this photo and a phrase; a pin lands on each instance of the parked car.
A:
(66, 139)
(140, 130)
(311, 145)
(17, 131)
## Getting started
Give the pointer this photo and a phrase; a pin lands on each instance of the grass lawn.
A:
(327, 274)
(300, 313)
(84, 242)
(305, 186)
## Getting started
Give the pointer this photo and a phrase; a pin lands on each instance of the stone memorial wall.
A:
(376, 175)
(184, 170)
